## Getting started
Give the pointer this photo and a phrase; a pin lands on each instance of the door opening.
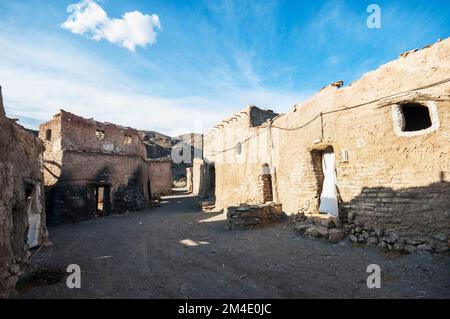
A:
(101, 196)
(324, 163)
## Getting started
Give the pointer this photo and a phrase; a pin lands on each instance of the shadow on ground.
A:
(177, 251)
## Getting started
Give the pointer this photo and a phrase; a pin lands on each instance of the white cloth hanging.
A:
(328, 198)
(34, 209)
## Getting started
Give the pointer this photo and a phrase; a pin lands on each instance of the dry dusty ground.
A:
(141, 255)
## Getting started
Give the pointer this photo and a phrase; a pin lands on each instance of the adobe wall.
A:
(77, 161)
(160, 173)
(238, 176)
(394, 184)
(20, 174)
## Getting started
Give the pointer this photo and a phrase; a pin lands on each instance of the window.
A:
(100, 134)
(128, 139)
(416, 117)
(412, 118)
(238, 148)
(48, 134)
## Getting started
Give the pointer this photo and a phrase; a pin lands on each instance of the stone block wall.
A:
(251, 216)
(20, 179)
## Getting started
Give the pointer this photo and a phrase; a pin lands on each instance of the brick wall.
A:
(78, 160)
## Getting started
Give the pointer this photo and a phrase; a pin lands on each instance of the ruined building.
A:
(93, 169)
(158, 148)
(373, 156)
(22, 215)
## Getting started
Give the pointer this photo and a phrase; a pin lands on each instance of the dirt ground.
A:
(177, 251)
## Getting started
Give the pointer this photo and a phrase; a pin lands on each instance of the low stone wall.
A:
(319, 226)
(244, 216)
(328, 227)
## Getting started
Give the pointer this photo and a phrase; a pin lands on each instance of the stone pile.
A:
(251, 216)
(319, 226)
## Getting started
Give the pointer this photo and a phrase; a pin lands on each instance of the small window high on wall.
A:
(416, 117)
(413, 118)
(48, 134)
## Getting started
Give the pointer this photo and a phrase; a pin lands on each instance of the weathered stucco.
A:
(20, 179)
(161, 176)
(389, 183)
(81, 155)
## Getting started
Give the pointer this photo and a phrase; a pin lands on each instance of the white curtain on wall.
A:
(328, 198)
(34, 209)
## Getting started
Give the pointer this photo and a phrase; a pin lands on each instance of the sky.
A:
(182, 66)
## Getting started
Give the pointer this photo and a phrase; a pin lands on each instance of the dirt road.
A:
(176, 251)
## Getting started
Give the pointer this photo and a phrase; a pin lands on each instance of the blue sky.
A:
(203, 60)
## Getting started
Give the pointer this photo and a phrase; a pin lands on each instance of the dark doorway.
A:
(149, 191)
(101, 193)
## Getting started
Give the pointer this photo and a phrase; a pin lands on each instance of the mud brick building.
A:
(92, 169)
(22, 214)
(160, 173)
(374, 156)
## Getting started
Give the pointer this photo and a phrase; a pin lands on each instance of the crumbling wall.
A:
(83, 155)
(20, 178)
(161, 177)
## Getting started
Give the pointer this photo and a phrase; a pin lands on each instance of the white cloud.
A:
(38, 80)
(133, 29)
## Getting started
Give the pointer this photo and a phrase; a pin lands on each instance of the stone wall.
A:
(21, 199)
(82, 155)
(387, 178)
(251, 216)
(160, 173)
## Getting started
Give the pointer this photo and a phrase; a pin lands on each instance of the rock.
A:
(379, 231)
(399, 246)
(440, 236)
(424, 247)
(353, 238)
(311, 232)
(410, 248)
(358, 229)
(328, 223)
(413, 242)
(372, 240)
(317, 231)
(336, 235)
(351, 216)
(382, 244)
(302, 228)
